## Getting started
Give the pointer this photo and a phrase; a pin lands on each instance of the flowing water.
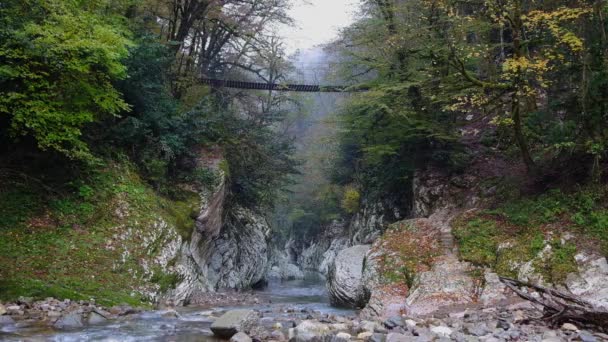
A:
(283, 302)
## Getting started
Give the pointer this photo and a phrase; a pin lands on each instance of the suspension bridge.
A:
(303, 88)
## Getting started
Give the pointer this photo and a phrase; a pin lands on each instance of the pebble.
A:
(393, 322)
(410, 323)
(364, 335)
(277, 335)
(441, 331)
(5, 320)
(240, 337)
(341, 337)
(394, 337)
(569, 327)
(378, 338)
(584, 336)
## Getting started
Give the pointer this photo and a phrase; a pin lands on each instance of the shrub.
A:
(351, 200)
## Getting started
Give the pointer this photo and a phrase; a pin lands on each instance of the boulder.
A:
(70, 320)
(310, 331)
(2, 310)
(233, 322)
(345, 278)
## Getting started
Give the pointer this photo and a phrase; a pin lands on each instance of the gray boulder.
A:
(70, 320)
(345, 278)
(310, 331)
(96, 318)
(233, 322)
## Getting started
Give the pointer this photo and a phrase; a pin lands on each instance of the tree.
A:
(534, 40)
(58, 61)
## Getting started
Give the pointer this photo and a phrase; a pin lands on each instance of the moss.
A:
(65, 245)
(521, 226)
(478, 240)
(560, 262)
(406, 250)
(518, 251)
(183, 212)
(165, 280)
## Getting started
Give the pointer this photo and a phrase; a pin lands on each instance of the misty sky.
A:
(317, 22)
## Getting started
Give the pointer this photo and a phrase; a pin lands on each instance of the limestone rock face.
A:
(240, 255)
(282, 263)
(233, 322)
(345, 278)
(227, 248)
(590, 282)
(447, 283)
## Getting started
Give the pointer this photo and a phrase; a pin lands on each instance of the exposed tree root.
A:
(559, 307)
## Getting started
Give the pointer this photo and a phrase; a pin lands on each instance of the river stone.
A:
(240, 337)
(69, 321)
(341, 337)
(393, 322)
(5, 320)
(310, 331)
(2, 310)
(344, 279)
(441, 331)
(234, 321)
(365, 335)
(377, 337)
(95, 318)
(395, 337)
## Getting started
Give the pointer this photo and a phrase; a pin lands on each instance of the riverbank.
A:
(276, 322)
(288, 311)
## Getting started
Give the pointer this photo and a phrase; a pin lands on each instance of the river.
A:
(283, 302)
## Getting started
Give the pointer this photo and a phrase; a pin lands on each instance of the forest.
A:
(114, 149)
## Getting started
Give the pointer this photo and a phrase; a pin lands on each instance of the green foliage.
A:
(59, 246)
(519, 227)
(478, 240)
(57, 70)
(351, 200)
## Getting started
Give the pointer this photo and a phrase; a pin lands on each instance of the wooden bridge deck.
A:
(306, 88)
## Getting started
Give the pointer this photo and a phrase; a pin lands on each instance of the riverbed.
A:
(280, 302)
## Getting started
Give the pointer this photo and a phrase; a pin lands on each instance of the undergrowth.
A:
(518, 230)
(64, 245)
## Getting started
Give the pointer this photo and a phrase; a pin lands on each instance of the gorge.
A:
(163, 176)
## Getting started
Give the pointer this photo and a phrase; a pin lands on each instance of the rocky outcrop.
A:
(240, 254)
(282, 263)
(345, 278)
(447, 283)
(369, 223)
(228, 249)
(590, 282)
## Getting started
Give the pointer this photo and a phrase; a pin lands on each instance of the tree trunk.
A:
(519, 134)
